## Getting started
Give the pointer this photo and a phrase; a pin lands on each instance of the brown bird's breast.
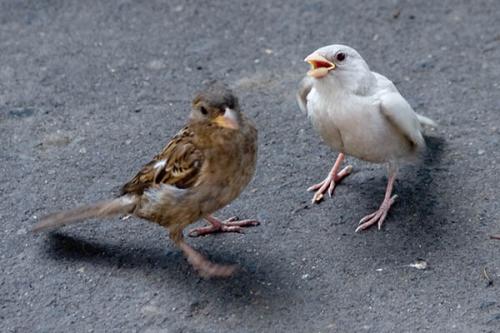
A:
(230, 167)
(229, 160)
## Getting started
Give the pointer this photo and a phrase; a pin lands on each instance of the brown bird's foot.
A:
(229, 225)
(334, 177)
(203, 266)
(377, 217)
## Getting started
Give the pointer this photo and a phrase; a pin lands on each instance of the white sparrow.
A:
(359, 113)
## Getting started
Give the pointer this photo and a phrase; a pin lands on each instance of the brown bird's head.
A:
(218, 105)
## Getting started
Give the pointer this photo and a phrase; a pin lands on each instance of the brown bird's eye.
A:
(203, 111)
(340, 56)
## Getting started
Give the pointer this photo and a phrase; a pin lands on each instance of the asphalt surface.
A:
(90, 91)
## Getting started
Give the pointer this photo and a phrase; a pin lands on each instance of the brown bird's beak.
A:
(228, 120)
(320, 66)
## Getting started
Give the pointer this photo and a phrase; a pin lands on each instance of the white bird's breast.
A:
(323, 122)
(355, 126)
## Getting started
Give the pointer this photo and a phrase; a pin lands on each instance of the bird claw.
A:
(329, 184)
(376, 217)
(331, 188)
(314, 187)
(317, 197)
(367, 217)
(232, 224)
(321, 188)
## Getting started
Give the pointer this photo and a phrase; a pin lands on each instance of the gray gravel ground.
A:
(89, 91)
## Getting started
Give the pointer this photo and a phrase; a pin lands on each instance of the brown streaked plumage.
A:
(202, 169)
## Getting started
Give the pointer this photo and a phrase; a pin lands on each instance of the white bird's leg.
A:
(379, 216)
(230, 225)
(334, 177)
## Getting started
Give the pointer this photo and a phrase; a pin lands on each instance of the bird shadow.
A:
(250, 285)
(418, 197)
(421, 192)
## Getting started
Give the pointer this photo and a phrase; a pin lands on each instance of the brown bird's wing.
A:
(178, 164)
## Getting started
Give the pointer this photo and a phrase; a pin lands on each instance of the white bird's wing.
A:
(304, 89)
(386, 85)
(401, 115)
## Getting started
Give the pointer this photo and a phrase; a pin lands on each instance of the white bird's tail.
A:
(121, 205)
(424, 121)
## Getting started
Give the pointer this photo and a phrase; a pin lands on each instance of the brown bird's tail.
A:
(121, 205)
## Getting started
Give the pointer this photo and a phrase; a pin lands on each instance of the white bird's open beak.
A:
(320, 66)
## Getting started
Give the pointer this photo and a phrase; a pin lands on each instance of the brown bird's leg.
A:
(379, 216)
(202, 265)
(334, 177)
(230, 225)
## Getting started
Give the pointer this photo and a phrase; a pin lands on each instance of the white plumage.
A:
(359, 113)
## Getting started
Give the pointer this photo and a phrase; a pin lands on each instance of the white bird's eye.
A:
(203, 110)
(340, 56)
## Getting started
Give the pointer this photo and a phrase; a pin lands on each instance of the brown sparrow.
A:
(202, 169)
(359, 113)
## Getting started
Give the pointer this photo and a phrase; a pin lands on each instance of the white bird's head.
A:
(339, 65)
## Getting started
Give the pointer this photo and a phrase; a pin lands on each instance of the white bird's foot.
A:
(230, 225)
(378, 216)
(329, 183)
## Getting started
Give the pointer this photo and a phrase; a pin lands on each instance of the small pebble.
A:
(419, 264)
(21, 231)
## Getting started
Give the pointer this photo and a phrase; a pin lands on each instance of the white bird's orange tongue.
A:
(320, 66)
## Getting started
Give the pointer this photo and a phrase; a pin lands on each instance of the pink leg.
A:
(229, 225)
(379, 215)
(202, 265)
(334, 177)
